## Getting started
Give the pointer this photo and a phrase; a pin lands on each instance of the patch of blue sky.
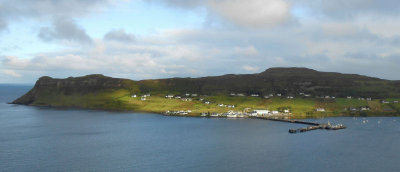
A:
(140, 18)
(300, 12)
(21, 40)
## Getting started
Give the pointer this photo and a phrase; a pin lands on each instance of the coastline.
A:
(198, 115)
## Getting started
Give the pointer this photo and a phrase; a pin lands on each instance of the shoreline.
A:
(198, 115)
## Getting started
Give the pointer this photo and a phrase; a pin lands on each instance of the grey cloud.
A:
(64, 29)
(119, 35)
(14, 11)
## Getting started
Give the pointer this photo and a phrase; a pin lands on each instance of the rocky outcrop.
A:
(72, 85)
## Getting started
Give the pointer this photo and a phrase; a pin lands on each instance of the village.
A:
(233, 112)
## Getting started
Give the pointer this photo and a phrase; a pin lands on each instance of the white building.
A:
(320, 110)
(133, 96)
(286, 111)
(260, 112)
(364, 108)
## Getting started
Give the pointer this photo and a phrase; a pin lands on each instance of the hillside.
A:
(287, 81)
(101, 92)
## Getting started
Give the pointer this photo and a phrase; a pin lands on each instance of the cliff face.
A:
(71, 85)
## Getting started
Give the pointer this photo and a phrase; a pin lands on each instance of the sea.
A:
(55, 139)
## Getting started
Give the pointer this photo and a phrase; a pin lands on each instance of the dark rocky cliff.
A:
(71, 85)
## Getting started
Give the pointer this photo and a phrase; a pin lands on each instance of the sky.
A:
(150, 39)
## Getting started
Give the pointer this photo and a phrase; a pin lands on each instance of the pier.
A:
(313, 125)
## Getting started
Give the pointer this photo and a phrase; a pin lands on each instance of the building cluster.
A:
(389, 102)
(228, 106)
(142, 98)
(267, 113)
(186, 98)
(181, 112)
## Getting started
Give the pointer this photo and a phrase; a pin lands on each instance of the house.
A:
(279, 94)
(353, 109)
(240, 94)
(349, 97)
(327, 97)
(364, 108)
(260, 112)
(194, 95)
(220, 105)
(177, 97)
(143, 99)
(384, 102)
(271, 95)
(275, 112)
(289, 97)
(333, 97)
(266, 97)
(286, 111)
(396, 101)
(170, 96)
(255, 95)
(207, 102)
(187, 94)
(369, 99)
(133, 96)
(301, 93)
(307, 95)
(232, 94)
(320, 110)
(214, 115)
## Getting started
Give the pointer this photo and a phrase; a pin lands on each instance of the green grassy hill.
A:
(101, 92)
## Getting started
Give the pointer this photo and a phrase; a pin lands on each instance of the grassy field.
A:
(299, 107)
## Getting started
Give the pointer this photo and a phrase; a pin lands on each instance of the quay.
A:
(313, 125)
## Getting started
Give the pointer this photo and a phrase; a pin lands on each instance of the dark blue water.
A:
(45, 139)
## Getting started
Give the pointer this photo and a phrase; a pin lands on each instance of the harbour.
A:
(313, 125)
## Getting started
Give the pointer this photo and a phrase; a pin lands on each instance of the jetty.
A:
(313, 125)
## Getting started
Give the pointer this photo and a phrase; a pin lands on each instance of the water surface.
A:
(48, 139)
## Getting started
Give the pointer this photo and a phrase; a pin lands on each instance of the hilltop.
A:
(102, 92)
